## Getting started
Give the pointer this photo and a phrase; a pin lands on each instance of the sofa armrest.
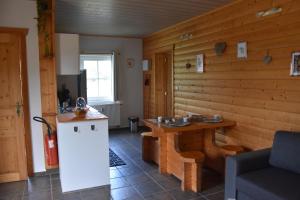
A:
(242, 163)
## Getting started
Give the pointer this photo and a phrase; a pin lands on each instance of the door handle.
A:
(18, 108)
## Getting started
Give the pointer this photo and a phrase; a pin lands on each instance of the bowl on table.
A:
(81, 112)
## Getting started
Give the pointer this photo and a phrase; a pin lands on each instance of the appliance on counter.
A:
(81, 83)
(70, 87)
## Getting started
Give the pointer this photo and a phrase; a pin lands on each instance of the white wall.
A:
(130, 79)
(21, 14)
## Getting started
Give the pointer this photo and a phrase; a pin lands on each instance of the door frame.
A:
(166, 49)
(25, 93)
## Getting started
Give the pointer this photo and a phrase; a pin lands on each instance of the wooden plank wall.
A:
(261, 97)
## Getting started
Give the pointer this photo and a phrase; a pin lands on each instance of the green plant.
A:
(42, 11)
(42, 7)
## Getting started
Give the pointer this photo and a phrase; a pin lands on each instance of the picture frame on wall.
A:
(295, 64)
(242, 50)
(200, 63)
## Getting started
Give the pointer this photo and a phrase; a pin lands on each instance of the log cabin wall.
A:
(260, 97)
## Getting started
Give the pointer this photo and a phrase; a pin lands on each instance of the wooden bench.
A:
(192, 170)
(192, 163)
(150, 147)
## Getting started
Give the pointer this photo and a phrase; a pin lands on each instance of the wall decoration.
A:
(186, 36)
(188, 65)
(220, 48)
(200, 63)
(242, 50)
(130, 62)
(146, 65)
(267, 58)
(295, 64)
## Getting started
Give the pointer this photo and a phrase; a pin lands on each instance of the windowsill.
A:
(99, 103)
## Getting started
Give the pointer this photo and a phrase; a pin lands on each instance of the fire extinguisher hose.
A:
(42, 120)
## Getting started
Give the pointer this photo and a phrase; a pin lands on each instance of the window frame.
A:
(99, 100)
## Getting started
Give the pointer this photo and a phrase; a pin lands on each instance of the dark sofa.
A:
(269, 174)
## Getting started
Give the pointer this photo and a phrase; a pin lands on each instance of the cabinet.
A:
(83, 150)
(67, 50)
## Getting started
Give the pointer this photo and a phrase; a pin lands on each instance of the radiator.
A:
(112, 111)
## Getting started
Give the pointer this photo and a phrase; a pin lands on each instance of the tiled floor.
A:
(133, 181)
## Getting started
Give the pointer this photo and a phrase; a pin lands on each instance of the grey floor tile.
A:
(137, 178)
(212, 190)
(12, 196)
(7, 189)
(158, 176)
(37, 184)
(125, 193)
(148, 188)
(118, 183)
(216, 196)
(170, 184)
(180, 195)
(96, 194)
(159, 196)
(66, 196)
(54, 176)
(115, 173)
(56, 185)
(130, 171)
(38, 195)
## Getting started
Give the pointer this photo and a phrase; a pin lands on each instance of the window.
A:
(99, 76)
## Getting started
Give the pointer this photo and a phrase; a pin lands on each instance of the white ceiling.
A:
(132, 18)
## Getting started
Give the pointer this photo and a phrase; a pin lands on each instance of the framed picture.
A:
(295, 64)
(242, 50)
(200, 63)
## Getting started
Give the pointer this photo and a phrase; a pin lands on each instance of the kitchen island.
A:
(83, 150)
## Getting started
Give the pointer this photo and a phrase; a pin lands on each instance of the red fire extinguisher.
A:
(50, 143)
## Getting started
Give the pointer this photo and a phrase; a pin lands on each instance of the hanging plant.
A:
(42, 8)
(43, 11)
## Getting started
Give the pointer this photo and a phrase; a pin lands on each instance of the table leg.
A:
(214, 158)
(163, 154)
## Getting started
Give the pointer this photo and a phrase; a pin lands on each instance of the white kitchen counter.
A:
(83, 150)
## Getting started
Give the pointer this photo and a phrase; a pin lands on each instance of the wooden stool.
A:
(192, 170)
(230, 150)
(150, 147)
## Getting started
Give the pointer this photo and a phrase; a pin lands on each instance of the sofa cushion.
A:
(270, 183)
(286, 150)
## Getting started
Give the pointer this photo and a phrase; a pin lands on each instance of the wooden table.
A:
(198, 136)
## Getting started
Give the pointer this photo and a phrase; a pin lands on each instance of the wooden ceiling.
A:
(132, 18)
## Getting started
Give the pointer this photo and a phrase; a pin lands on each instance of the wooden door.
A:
(12, 130)
(163, 84)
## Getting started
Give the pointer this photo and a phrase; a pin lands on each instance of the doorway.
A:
(164, 84)
(14, 113)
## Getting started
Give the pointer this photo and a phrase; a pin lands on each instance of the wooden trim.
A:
(172, 82)
(14, 30)
(25, 95)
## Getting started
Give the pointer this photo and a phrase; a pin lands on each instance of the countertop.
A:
(92, 114)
